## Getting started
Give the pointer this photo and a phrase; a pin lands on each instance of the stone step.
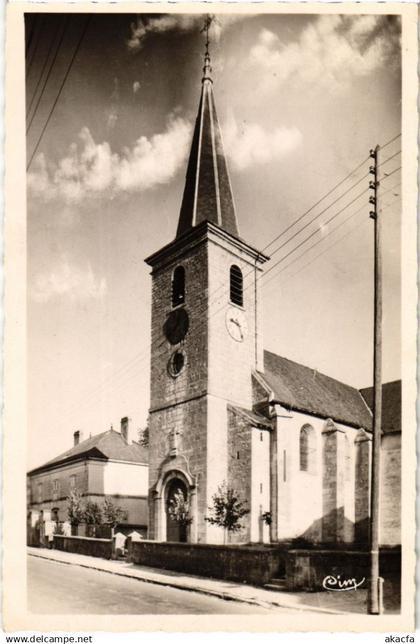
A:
(276, 584)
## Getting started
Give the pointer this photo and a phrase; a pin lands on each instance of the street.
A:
(56, 588)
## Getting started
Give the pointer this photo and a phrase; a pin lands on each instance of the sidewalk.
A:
(322, 602)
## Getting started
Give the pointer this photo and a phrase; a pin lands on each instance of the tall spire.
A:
(207, 193)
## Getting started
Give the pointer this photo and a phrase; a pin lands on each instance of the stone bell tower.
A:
(206, 337)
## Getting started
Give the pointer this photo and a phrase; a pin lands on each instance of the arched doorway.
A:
(175, 529)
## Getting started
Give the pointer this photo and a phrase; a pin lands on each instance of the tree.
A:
(75, 509)
(143, 435)
(267, 518)
(113, 514)
(179, 508)
(92, 513)
(227, 510)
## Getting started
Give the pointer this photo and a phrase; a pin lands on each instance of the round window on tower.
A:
(176, 363)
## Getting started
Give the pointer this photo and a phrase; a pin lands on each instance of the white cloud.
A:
(249, 144)
(177, 22)
(67, 280)
(329, 52)
(92, 168)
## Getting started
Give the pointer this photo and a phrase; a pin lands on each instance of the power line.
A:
(391, 141)
(31, 34)
(60, 90)
(323, 238)
(252, 271)
(389, 159)
(136, 361)
(40, 78)
(319, 214)
(316, 204)
(60, 42)
(389, 174)
(37, 41)
(314, 233)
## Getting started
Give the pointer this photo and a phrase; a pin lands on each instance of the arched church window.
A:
(236, 285)
(307, 449)
(178, 286)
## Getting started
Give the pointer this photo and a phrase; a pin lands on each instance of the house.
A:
(109, 465)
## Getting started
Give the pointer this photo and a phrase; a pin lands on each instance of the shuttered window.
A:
(178, 286)
(236, 285)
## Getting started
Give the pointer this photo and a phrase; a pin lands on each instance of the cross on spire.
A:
(207, 193)
(208, 21)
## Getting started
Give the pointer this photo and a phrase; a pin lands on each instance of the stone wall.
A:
(390, 500)
(84, 546)
(239, 467)
(250, 565)
(307, 569)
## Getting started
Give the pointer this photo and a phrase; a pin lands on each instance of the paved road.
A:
(56, 588)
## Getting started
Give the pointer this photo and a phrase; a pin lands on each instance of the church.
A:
(293, 443)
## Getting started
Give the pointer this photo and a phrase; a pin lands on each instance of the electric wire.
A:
(35, 49)
(136, 361)
(325, 237)
(82, 35)
(40, 78)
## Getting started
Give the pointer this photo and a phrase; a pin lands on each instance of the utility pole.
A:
(375, 606)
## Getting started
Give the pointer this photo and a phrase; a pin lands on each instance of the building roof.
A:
(207, 193)
(391, 405)
(307, 390)
(109, 445)
(254, 418)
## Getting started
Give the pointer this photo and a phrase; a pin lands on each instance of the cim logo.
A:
(336, 583)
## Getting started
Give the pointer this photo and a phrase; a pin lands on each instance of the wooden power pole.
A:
(375, 582)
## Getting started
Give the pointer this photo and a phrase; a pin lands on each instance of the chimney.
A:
(78, 437)
(125, 429)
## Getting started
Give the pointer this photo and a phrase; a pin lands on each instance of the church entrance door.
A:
(176, 493)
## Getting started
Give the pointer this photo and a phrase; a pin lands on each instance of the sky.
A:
(111, 102)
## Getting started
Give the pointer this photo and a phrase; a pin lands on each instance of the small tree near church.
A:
(227, 510)
(112, 513)
(179, 509)
(75, 509)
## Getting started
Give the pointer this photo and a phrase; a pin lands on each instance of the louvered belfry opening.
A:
(178, 286)
(236, 285)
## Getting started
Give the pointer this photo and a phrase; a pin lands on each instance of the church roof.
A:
(254, 418)
(207, 193)
(109, 445)
(391, 405)
(309, 391)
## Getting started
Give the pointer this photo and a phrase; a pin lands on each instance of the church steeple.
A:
(207, 193)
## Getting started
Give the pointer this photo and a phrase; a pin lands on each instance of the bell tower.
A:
(206, 336)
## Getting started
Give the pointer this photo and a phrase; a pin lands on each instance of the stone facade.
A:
(390, 500)
(189, 412)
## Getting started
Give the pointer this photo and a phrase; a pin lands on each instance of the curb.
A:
(221, 594)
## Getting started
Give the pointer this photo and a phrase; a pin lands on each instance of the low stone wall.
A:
(236, 563)
(309, 569)
(84, 546)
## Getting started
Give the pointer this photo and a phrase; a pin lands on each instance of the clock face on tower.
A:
(176, 326)
(236, 324)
